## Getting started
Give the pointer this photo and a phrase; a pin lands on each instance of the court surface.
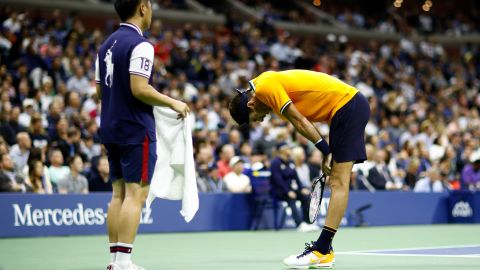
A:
(407, 247)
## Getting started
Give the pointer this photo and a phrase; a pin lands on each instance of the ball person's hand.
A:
(292, 195)
(181, 108)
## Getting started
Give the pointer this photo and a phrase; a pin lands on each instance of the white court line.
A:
(476, 256)
(405, 249)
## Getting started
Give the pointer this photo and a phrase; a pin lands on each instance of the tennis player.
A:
(303, 97)
(123, 69)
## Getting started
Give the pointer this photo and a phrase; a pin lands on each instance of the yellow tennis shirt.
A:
(318, 96)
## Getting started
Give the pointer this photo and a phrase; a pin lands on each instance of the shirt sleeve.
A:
(272, 93)
(141, 60)
(97, 71)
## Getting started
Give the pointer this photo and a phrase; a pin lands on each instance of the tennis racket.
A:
(316, 196)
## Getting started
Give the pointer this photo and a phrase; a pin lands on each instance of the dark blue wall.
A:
(43, 215)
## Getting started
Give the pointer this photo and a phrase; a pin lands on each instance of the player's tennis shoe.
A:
(310, 259)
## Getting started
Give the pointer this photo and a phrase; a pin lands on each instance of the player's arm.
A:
(309, 131)
(301, 124)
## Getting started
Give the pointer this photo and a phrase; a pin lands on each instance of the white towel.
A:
(174, 174)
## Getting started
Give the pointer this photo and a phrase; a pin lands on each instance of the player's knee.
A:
(339, 183)
(139, 195)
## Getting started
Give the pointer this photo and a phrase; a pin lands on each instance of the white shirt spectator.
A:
(303, 173)
(426, 185)
(12, 24)
(237, 183)
(19, 159)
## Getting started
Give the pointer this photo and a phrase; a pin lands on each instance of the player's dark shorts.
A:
(134, 163)
(347, 130)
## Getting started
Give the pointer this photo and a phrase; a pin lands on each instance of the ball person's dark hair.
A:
(126, 8)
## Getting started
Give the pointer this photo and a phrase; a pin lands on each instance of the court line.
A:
(476, 256)
(405, 249)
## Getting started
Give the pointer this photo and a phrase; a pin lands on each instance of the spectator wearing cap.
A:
(210, 181)
(29, 107)
(287, 187)
(236, 181)
(471, 172)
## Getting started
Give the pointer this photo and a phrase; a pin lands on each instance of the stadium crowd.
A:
(407, 19)
(423, 134)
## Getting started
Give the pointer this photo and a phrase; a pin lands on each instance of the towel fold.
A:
(174, 173)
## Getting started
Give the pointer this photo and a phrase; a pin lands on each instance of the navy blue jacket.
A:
(283, 174)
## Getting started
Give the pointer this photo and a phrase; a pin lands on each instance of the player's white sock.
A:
(113, 252)
(124, 254)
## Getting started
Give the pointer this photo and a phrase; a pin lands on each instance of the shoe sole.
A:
(316, 266)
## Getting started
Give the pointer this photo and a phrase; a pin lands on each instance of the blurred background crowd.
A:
(423, 135)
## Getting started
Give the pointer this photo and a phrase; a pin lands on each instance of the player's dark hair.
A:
(239, 110)
(126, 8)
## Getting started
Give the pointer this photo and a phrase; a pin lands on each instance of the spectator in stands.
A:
(226, 153)
(379, 176)
(89, 148)
(302, 169)
(411, 176)
(432, 182)
(9, 180)
(99, 178)
(69, 144)
(36, 178)
(210, 181)
(20, 151)
(471, 172)
(29, 107)
(236, 181)
(37, 133)
(72, 104)
(14, 120)
(287, 187)
(74, 182)
(406, 94)
(57, 170)
(79, 83)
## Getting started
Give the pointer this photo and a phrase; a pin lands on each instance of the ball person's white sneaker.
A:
(309, 259)
(129, 266)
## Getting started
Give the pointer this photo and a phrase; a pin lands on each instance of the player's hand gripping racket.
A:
(316, 196)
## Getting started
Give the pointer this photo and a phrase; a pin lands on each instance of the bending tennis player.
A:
(303, 97)
(123, 69)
